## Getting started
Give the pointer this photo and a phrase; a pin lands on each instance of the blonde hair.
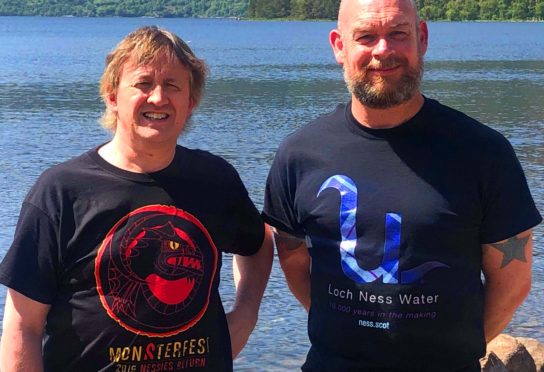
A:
(145, 45)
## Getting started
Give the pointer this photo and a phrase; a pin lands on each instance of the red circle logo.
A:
(155, 269)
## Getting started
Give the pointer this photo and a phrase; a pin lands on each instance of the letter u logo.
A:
(388, 269)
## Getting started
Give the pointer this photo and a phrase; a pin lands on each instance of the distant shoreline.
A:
(270, 19)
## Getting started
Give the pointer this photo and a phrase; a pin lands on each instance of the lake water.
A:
(267, 79)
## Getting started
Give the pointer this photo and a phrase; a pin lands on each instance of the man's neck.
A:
(386, 118)
(137, 158)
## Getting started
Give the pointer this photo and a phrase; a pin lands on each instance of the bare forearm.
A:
(250, 277)
(507, 271)
(22, 334)
(297, 275)
(295, 262)
(251, 285)
(20, 351)
(251, 274)
(499, 309)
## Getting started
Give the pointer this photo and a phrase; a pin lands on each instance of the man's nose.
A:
(157, 96)
(382, 49)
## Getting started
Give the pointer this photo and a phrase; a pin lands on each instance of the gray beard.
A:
(365, 92)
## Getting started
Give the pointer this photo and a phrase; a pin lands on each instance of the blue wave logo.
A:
(388, 270)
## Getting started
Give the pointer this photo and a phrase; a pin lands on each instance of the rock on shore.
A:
(513, 354)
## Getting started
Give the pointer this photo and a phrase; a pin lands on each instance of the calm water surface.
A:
(267, 79)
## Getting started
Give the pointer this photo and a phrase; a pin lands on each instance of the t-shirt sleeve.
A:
(509, 208)
(249, 231)
(279, 198)
(30, 265)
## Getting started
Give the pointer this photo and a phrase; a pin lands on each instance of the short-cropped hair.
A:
(145, 45)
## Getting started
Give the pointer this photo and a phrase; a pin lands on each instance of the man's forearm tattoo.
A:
(512, 249)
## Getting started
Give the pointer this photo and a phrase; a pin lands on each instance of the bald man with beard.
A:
(388, 210)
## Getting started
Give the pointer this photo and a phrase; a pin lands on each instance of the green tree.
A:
(470, 10)
(453, 10)
(539, 10)
(488, 9)
(431, 9)
(519, 10)
(270, 9)
(322, 9)
(297, 9)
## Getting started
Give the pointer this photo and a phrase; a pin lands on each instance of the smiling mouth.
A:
(383, 68)
(155, 115)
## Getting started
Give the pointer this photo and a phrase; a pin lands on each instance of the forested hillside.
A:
(453, 10)
(126, 8)
(300, 9)
(493, 10)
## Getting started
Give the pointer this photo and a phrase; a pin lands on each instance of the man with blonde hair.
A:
(115, 261)
(390, 208)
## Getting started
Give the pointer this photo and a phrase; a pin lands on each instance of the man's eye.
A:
(142, 84)
(398, 35)
(174, 86)
(365, 38)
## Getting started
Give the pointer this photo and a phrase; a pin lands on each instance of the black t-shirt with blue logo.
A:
(394, 220)
(130, 262)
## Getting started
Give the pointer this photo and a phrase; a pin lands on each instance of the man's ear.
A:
(192, 104)
(111, 101)
(337, 45)
(423, 37)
